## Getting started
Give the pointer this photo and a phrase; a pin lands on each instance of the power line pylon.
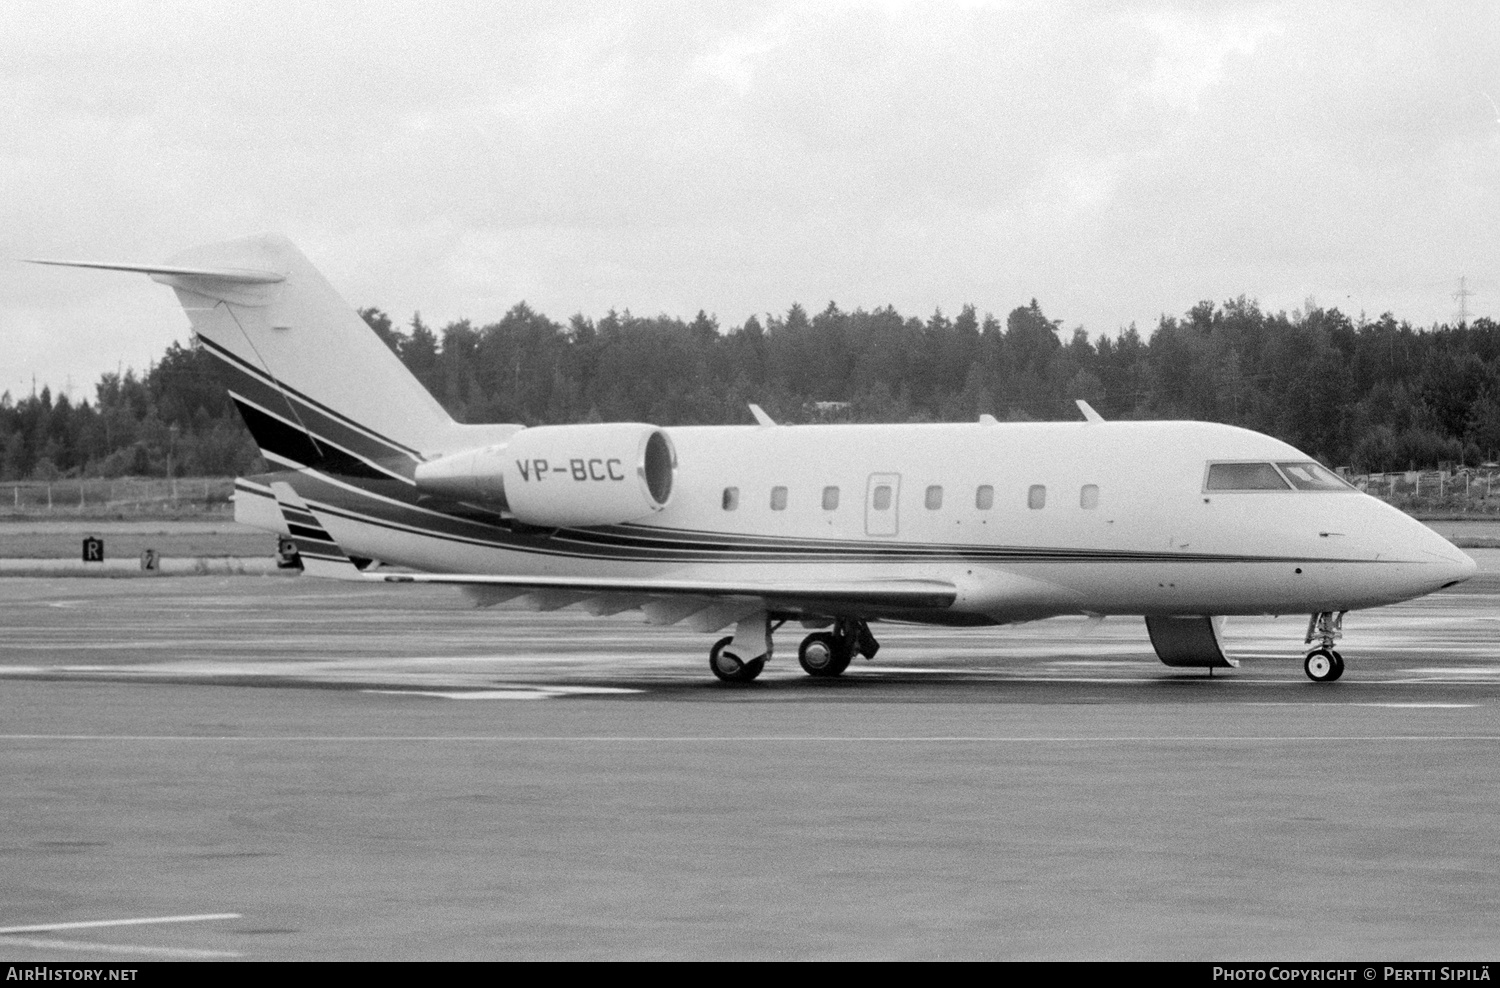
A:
(1462, 298)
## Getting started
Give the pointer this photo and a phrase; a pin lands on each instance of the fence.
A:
(122, 496)
(1464, 490)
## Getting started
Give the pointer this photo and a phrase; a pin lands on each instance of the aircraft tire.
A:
(823, 655)
(1338, 665)
(1321, 666)
(729, 667)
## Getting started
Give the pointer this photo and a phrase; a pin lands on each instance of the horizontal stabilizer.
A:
(236, 276)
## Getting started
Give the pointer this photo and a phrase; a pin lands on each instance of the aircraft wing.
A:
(705, 605)
(894, 594)
(702, 605)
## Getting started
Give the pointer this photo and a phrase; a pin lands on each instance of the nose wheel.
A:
(1323, 665)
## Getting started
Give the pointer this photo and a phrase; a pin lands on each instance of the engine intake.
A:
(563, 476)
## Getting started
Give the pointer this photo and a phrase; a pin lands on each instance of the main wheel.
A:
(730, 667)
(822, 654)
(1321, 665)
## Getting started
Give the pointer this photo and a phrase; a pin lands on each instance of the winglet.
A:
(1088, 411)
(321, 555)
(761, 417)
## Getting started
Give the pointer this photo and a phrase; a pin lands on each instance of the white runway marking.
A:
(184, 953)
(6, 936)
(1418, 706)
(474, 694)
(90, 924)
(517, 693)
(748, 739)
(1456, 671)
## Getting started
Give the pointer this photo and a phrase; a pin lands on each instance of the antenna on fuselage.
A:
(1088, 411)
(761, 417)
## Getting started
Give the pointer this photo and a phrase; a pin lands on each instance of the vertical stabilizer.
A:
(315, 384)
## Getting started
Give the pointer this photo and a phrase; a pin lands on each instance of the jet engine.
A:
(563, 476)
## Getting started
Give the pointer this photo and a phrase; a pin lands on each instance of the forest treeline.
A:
(1374, 395)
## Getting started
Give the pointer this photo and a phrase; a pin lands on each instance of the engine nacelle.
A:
(563, 476)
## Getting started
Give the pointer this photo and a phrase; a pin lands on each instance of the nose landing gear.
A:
(1323, 664)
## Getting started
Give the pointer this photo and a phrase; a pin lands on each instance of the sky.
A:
(1113, 161)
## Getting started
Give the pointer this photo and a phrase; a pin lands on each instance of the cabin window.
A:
(778, 499)
(830, 498)
(984, 498)
(1313, 477)
(1036, 497)
(1088, 498)
(731, 498)
(1243, 477)
(934, 497)
(882, 499)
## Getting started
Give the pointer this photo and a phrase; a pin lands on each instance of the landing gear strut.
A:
(826, 654)
(1323, 664)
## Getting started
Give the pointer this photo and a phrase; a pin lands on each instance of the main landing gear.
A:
(729, 667)
(1323, 664)
(823, 653)
(828, 653)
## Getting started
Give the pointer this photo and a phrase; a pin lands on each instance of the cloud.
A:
(1115, 162)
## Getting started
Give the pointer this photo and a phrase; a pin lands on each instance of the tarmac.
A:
(251, 768)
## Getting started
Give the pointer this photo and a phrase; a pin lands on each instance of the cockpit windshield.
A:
(1302, 475)
(1313, 477)
(1244, 477)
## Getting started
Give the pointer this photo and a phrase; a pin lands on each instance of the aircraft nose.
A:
(1455, 565)
(1458, 566)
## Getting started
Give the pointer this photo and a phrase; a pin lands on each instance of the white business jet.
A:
(748, 527)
